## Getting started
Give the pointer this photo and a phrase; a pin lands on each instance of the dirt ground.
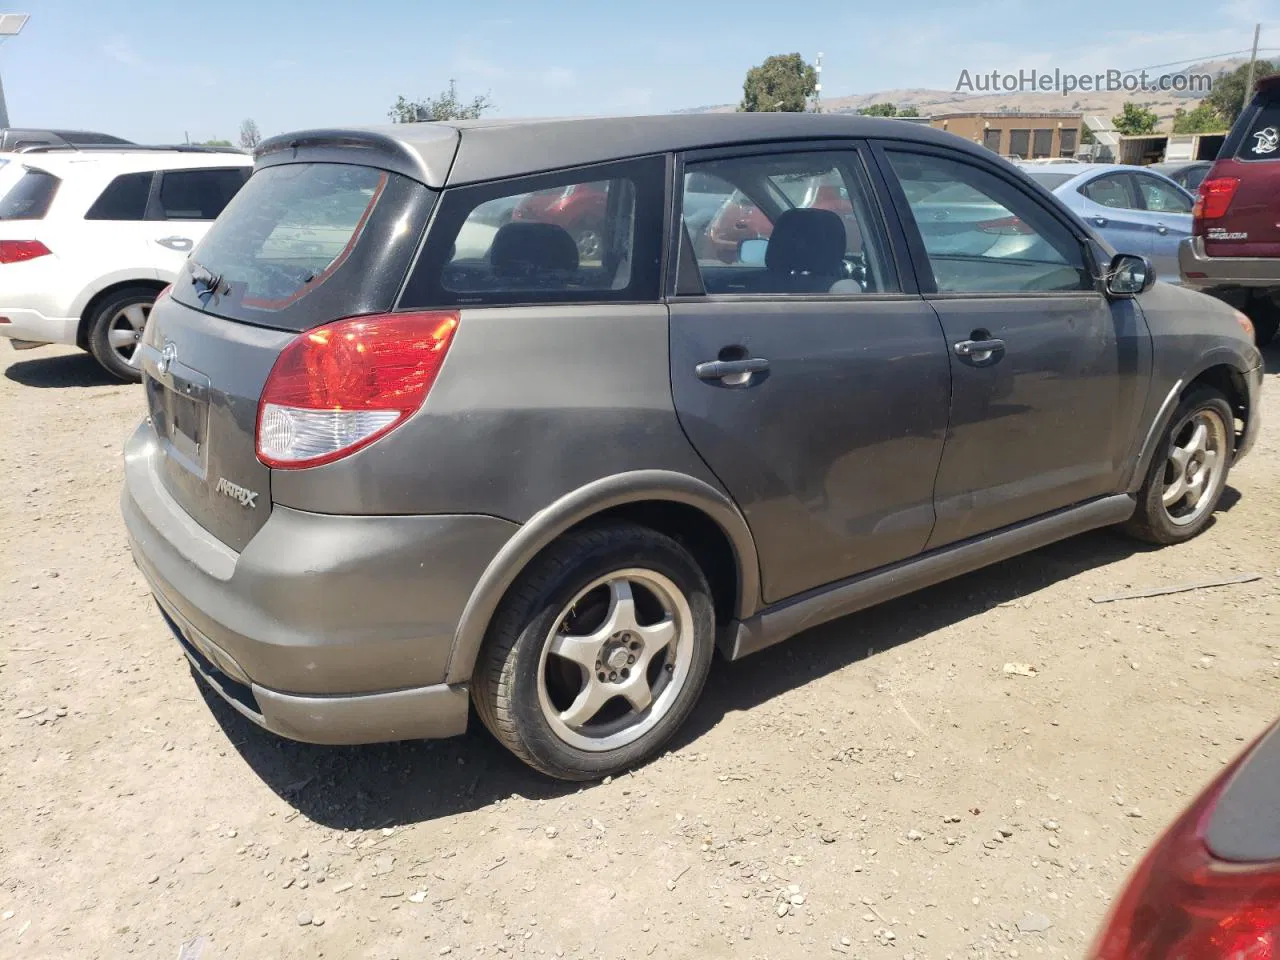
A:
(878, 788)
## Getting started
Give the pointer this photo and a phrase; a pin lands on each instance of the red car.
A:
(740, 219)
(1234, 249)
(1210, 888)
(580, 209)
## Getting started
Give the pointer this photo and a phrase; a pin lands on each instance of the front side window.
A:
(124, 199)
(199, 194)
(1160, 197)
(983, 235)
(1112, 191)
(590, 235)
(30, 197)
(795, 223)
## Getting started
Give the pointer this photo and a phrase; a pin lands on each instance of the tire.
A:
(527, 694)
(1155, 522)
(1265, 314)
(120, 311)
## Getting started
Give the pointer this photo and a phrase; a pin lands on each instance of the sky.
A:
(158, 71)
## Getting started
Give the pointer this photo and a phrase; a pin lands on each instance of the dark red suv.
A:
(1234, 250)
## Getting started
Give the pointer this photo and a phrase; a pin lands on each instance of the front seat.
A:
(806, 252)
(533, 252)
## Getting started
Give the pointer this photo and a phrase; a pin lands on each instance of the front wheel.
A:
(115, 331)
(598, 653)
(1189, 471)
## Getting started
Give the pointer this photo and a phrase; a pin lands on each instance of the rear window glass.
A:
(305, 243)
(124, 199)
(1050, 181)
(30, 197)
(1262, 138)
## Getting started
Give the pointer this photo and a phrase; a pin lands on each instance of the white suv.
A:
(89, 238)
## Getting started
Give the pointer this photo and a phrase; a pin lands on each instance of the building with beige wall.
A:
(1031, 136)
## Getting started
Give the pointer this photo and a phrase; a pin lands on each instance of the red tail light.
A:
(17, 251)
(339, 387)
(1006, 227)
(1215, 198)
(1183, 902)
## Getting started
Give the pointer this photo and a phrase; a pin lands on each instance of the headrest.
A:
(520, 249)
(807, 240)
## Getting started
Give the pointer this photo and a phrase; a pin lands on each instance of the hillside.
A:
(934, 102)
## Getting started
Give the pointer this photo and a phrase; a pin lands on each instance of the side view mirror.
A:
(1130, 275)
(751, 253)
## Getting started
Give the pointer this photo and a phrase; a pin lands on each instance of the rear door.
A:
(1111, 206)
(1047, 376)
(301, 245)
(1251, 154)
(1166, 216)
(811, 378)
(181, 208)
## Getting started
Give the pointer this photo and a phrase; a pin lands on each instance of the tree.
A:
(249, 135)
(1135, 120)
(1227, 96)
(888, 110)
(1203, 119)
(446, 106)
(782, 83)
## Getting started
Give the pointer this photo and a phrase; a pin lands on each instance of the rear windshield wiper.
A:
(203, 276)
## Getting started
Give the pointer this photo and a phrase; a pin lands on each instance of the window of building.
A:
(1020, 143)
(1042, 144)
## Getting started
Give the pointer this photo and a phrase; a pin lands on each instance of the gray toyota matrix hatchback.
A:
(534, 415)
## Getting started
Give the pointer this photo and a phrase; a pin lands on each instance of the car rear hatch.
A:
(1238, 212)
(304, 243)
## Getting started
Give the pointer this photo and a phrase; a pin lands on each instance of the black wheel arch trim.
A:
(581, 505)
(1218, 357)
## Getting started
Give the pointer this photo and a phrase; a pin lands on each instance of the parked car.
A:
(87, 240)
(1234, 252)
(1210, 887)
(383, 480)
(1188, 174)
(1136, 210)
(16, 139)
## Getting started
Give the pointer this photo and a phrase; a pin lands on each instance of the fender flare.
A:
(582, 504)
(1218, 357)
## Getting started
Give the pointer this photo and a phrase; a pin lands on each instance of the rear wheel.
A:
(1189, 471)
(1264, 311)
(598, 653)
(115, 330)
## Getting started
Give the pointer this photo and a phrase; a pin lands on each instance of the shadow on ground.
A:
(375, 786)
(1271, 357)
(64, 370)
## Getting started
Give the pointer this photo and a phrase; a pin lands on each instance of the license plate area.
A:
(178, 400)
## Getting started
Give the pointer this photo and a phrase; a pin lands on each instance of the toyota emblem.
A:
(167, 357)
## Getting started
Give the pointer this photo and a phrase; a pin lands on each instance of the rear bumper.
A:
(35, 327)
(1205, 272)
(326, 629)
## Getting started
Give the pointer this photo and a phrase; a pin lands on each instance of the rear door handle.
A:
(176, 243)
(738, 371)
(1100, 221)
(977, 348)
(1161, 229)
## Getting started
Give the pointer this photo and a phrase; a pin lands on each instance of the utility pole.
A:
(1253, 63)
(817, 88)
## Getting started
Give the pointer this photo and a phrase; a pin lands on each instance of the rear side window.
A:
(1262, 137)
(199, 194)
(1112, 191)
(30, 197)
(124, 199)
(574, 236)
(306, 243)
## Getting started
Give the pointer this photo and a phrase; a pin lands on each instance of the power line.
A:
(1202, 59)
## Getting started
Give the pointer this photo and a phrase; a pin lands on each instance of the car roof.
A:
(111, 163)
(470, 151)
(1079, 172)
(1173, 166)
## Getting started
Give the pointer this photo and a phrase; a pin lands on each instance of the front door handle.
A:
(978, 349)
(176, 243)
(1161, 229)
(1100, 221)
(733, 372)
